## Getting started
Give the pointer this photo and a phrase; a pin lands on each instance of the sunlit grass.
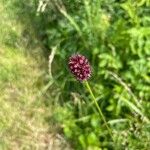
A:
(21, 113)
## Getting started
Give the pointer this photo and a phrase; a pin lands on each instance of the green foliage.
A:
(115, 36)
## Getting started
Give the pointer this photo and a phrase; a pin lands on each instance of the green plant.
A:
(115, 36)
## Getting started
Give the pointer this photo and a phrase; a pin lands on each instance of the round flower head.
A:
(80, 67)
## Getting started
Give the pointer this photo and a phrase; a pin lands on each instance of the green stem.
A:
(97, 106)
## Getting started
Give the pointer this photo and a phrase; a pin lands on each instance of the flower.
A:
(80, 67)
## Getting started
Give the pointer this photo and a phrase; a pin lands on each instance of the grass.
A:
(40, 100)
(23, 113)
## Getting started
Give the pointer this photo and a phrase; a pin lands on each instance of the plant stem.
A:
(97, 106)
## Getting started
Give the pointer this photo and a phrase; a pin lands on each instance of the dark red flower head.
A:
(80, 67)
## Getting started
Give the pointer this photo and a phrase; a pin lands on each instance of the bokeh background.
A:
(42, 106)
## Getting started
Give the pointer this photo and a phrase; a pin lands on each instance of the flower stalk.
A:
(98, 108)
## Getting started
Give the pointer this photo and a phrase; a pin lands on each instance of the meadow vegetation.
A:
(39, 97)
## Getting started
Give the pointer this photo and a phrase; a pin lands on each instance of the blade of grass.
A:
(72, 22)
(115, 121)
(126, 88)
(136, 109)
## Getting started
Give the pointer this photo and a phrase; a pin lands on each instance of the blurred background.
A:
(42, 106)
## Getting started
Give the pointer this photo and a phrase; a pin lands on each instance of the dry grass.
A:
(23, 112)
